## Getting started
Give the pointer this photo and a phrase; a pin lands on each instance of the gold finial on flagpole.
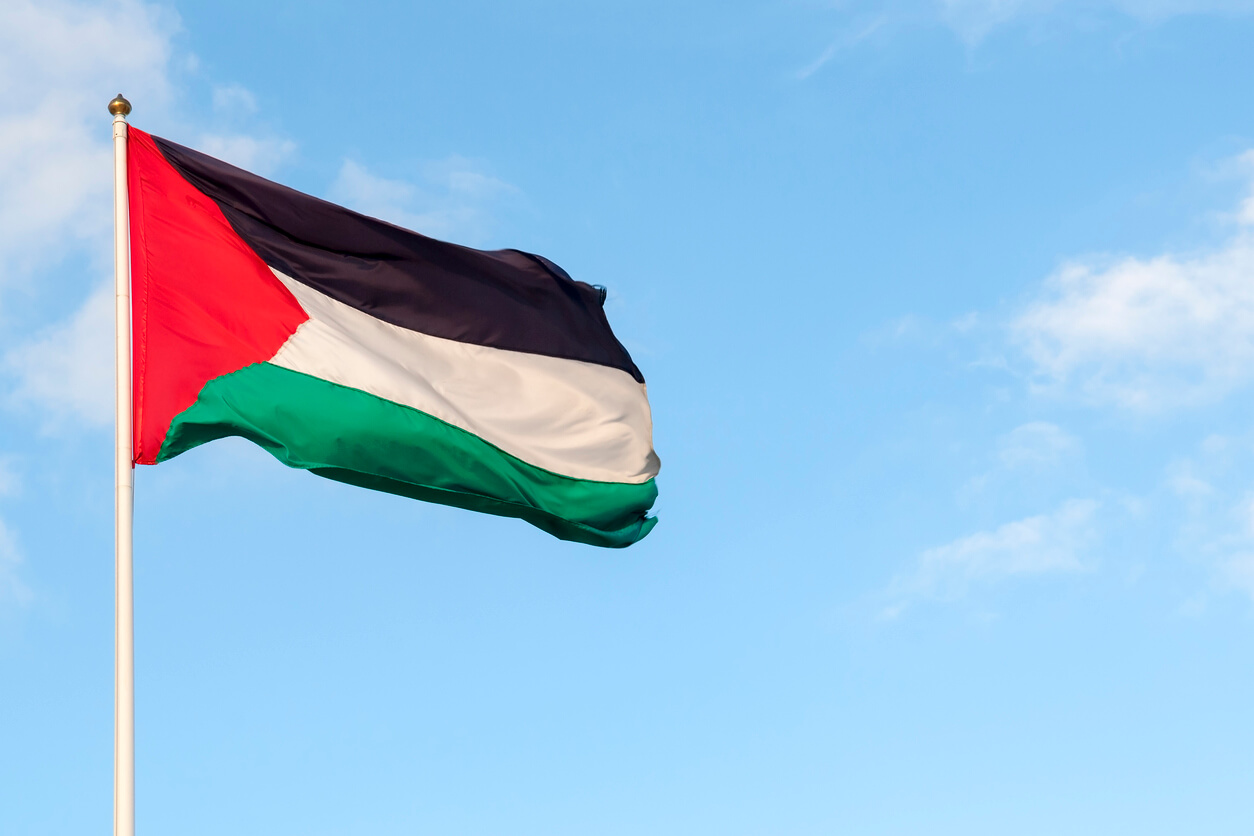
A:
(120, 106)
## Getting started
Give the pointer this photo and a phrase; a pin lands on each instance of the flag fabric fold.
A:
(376, 356)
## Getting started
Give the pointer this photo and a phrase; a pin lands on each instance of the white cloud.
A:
(1162, 9)
(845, 40)
(68, 369)
(1040, 545)
(1215, 526)
(454, 202)
(1237, 573)
(974, 20)
(1185, 485)
(1035, 445)
(261, 155)
(375, 196)
(62, 63)
(1147, 333)
(10, 482)
(1244, 164)
(1193, 606)
(65, 59)
(1025, 453)
(12, 590)
(233, 99)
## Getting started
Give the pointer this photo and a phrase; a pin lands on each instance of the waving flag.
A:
(376, 356)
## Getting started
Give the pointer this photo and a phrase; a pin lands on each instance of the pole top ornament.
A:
(119, 106)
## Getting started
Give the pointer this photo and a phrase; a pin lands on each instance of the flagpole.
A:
(124, 612)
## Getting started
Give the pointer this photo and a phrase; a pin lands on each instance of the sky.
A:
(946, 313)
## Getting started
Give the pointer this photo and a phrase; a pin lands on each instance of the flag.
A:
(375, 356)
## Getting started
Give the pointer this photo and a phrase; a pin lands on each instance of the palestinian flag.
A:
(376, 356)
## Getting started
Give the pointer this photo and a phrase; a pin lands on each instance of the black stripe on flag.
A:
(501, 298)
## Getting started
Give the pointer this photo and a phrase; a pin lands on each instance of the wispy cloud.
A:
(1035, 445)
(1237, 573)
(1147, 333)
(1041, 545)
(62, 61)
(974, 20)
(56, 176)
(845, 40)
(261, 155)
(12, 589)
(233, 99)
(1027, 452)
(1215, 528)
(10, 481)
(233, 107)
(67, 370)
(453, 200)
(1162, 9)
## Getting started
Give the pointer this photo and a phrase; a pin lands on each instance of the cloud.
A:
(1237, 573)
(1147, 333)
(56, 175)
(260, 155)
(67, 370)
(234, 104)
(1214, 512)
(1025, 453)
(845, 40)
(1154, 10)
(10, 482)
(1185, 485)
(454, 201)
(1035, 445)
(1040, 545)
(63, 64)
(233, 99)
(12, 589)
(974, 20)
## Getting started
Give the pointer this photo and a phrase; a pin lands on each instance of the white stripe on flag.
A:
(570, 417)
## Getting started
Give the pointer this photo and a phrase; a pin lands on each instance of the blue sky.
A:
(947, 316)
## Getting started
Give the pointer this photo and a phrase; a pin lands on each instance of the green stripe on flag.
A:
(355, 437)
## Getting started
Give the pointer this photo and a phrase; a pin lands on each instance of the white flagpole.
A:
(124, 613)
